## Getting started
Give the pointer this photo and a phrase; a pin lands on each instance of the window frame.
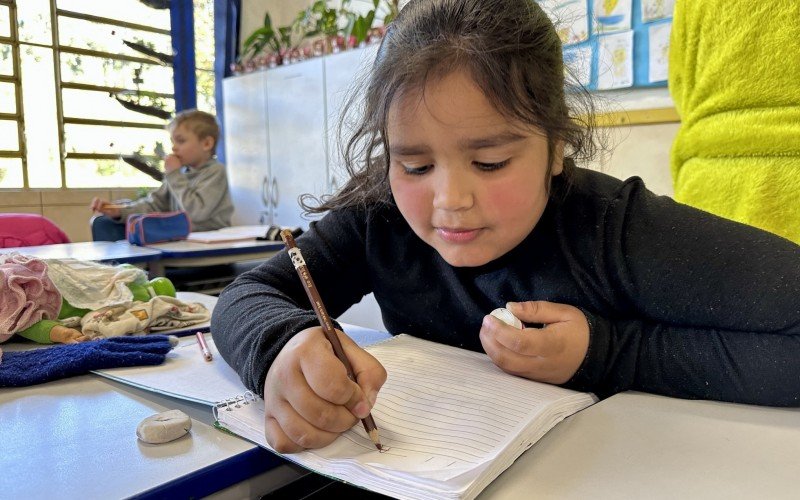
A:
(181, 34)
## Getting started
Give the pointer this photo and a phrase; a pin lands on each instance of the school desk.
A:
(195, 254)
(636, 445)
(77, 437)
(98, 251)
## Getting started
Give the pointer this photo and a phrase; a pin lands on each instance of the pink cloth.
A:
(26, 230)
(27, 295)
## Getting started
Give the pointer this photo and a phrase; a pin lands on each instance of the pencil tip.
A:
(373, 435)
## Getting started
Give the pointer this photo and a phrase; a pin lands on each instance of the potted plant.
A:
(279, 40)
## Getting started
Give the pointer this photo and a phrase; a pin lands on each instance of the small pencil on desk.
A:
(201, 341)
(325, 322)
(113, 205)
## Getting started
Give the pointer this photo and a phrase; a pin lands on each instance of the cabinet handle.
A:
(265, 191)
(274, 192)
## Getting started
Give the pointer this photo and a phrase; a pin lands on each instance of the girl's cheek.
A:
(411, 198)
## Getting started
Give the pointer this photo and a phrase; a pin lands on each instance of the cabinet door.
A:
(296, 111)
(345, 75)
(246, 147)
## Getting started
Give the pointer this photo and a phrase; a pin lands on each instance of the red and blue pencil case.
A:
(157, 227)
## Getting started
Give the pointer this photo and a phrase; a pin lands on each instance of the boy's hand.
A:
(551, 354)
(308, 398)
(172, 163)
(100, 205)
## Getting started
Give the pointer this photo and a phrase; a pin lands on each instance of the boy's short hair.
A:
(198, 122)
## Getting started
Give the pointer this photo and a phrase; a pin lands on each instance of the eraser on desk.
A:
(164, 427)
(507, 317)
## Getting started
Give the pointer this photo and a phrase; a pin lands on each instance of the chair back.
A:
(26, 230)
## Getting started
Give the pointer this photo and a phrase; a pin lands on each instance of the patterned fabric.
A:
(27, 294)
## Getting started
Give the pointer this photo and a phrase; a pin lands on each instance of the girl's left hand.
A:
(551, 354)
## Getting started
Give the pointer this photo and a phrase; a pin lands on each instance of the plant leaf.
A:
(162, 58)
(145, 110)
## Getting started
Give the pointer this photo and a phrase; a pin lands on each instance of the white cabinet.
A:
(280, 136)
(344, 74)
(281, 142)
(246, 147)
(296, 130)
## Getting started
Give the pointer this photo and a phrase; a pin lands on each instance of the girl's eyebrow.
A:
(491, 141)
(408, 149)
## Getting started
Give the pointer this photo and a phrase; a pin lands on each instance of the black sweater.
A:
(679, 302)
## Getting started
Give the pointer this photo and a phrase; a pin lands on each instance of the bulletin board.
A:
(614, 44)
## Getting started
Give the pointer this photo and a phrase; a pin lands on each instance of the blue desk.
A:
(194, 254)
(99, 251)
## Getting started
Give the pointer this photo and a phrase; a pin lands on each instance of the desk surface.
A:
(79, 433)
(100, 251)
(636, 445)
(192, 249)
(77, 437)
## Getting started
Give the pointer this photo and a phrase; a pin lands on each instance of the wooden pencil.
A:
(326, 323)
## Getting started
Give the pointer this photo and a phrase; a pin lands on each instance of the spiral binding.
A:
(231, 403)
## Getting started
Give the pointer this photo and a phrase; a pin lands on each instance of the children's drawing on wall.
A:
(571, 18)
(658, 35)
(578, 65)
(615, 61)
(653, 10)
(612, 15)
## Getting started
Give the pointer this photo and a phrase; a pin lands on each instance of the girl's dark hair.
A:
(511, 50)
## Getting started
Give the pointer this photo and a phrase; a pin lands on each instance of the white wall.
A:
(642, 150)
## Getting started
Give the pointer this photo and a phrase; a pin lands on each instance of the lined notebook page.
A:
(445, 415)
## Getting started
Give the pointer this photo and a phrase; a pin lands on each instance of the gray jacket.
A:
(202, 192)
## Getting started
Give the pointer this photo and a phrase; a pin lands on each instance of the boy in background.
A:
(194, 182)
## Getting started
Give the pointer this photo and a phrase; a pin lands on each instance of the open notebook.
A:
(451, 420)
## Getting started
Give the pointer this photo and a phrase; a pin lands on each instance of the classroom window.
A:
(204, 54)
(83, 82)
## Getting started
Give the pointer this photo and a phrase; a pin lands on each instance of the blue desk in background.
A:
(188, 254)
(99, 251)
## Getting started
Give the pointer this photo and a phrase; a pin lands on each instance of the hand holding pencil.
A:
(106, 207)
(309, 396)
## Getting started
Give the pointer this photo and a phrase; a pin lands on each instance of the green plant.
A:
(393, 6)
(142, 192)
(277, 39)
(319, 19)
(358, 26)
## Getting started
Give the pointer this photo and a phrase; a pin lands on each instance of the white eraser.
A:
(506, 317)
(164, 427)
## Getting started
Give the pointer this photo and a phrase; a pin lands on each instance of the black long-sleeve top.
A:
(679, 302)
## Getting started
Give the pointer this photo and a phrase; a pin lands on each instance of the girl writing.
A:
(465, 196)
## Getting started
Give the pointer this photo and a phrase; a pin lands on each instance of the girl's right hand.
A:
(100, 205)
(309, 399)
